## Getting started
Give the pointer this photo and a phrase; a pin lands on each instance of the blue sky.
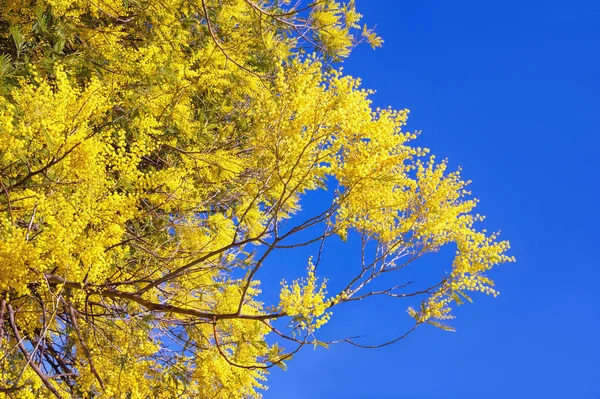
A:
(510, 91)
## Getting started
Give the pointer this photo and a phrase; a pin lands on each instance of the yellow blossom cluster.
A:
(306, 301)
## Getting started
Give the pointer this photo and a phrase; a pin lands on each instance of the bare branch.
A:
(35, 367)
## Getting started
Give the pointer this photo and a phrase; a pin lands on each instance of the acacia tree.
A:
(153, 157)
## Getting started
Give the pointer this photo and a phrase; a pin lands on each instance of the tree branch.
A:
(38, 371)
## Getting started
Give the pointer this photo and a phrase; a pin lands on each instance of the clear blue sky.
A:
(510, 91)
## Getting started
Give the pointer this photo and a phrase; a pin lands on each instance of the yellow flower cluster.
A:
(306, 301)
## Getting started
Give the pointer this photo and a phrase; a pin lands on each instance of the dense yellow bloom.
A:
(305, 301)
(154, 155)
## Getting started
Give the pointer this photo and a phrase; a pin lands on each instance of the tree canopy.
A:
(154, 155)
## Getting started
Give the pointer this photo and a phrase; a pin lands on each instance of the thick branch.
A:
(153, 306)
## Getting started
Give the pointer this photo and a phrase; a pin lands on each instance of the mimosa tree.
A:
(154, 155)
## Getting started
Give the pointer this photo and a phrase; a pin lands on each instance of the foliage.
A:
(153, 155)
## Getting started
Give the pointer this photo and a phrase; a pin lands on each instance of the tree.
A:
(153, 157)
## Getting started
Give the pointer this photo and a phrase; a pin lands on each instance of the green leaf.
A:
(59, 45)
(441, 326)
(468, 298)
(457, 298)
(281, 365)
(411, 312)
(5, 65)
(319, 343)
(18, 39)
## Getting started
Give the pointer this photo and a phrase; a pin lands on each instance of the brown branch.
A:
(351, 342)
(2, 311)
(10, 390)
(284, 14)
(12, 220)
(153, 306)
(218, 44)
(35, 367)
(253, 367)
(182, 269)
(389, 292)
(86, 350)
(53, 162)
